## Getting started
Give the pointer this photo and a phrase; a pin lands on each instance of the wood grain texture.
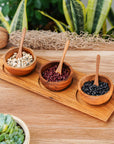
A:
(50, 122)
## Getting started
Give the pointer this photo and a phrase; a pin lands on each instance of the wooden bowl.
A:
(55, 86)
(95, 100)
(4, 36)
(25, 129)
(19, 71)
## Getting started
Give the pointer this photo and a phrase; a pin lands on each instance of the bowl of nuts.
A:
(19, 66)
(20, 61)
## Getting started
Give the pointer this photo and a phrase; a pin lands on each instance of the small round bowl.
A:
(19, 71)
(25, 129)
(95, 100)
(55, 86)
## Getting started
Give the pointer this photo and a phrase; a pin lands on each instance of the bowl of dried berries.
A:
(93, 94)
(95, 89)
(19, 66)
(53, 80)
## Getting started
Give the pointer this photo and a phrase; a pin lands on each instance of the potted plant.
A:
(13, 130)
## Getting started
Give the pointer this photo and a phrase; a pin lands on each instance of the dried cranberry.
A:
(50, 73)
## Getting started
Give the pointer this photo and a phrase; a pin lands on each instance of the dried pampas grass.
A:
(47, 40)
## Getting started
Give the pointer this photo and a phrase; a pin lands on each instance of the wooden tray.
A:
(69, 97)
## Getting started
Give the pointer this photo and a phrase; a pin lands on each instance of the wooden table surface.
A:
(52, 123)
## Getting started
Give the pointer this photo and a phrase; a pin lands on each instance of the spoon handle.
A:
(96, 82)
(59, 69)
(21, 44)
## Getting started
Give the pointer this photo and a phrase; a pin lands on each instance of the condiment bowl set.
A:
(58, 85)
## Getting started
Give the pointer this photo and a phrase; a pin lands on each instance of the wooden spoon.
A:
(19, 55)
(59, 68)
(96, 82)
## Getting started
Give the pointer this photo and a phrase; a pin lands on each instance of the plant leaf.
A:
(97, 11)
(4, 22)
(59, 24)
(78, 15)
(68, 14)
(111, 32)
(111, 17)
(104, 28)
(20, 18)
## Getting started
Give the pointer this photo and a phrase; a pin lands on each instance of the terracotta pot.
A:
(55, 86)
(25, 129)
(95, 100)
(19, 71)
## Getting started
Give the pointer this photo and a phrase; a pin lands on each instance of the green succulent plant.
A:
(19, 20)
(91, 19)
(10, 132)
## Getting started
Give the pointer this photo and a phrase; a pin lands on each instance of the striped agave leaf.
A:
(61, 25)
(111, 17)
(78, 15)
(97, 12)
(4, 22)
(68, 14)
(20, 18)
(74, 11)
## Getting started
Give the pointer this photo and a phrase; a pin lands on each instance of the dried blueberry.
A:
(91, 89)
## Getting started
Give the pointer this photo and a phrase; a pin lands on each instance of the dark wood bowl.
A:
(19, 71)
(55, 86)
(95, 100)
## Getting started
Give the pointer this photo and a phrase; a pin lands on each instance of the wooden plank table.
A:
(50, 122)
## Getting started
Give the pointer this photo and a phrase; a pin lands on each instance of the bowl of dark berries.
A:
(55, 81)
(19, 66)
(93, 94)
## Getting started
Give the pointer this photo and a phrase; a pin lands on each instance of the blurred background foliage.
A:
(35, 19)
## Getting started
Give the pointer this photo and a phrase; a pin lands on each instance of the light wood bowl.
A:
(95, 100)
(19, 71)
(55, 86)
(25, 129)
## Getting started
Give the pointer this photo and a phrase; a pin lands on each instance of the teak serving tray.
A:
(68, 97)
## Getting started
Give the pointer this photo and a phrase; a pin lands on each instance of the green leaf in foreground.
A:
(10, 132)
